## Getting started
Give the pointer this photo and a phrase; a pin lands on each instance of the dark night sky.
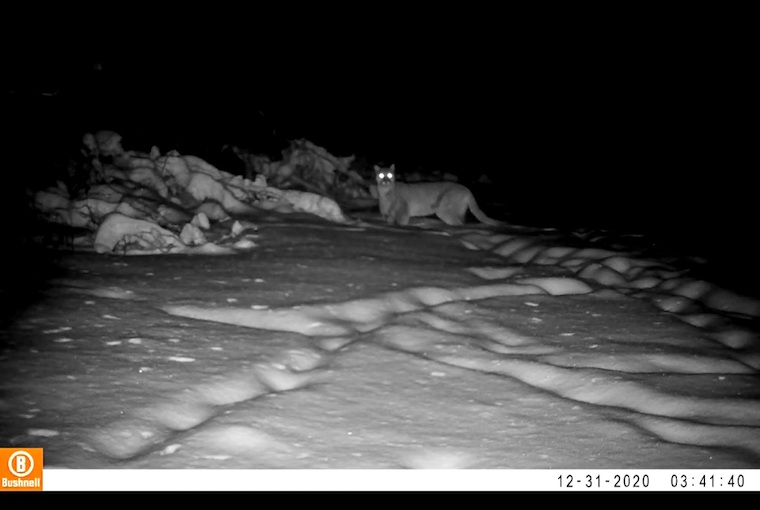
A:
(634, 126)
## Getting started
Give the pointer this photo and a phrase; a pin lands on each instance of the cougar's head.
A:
(385, 176)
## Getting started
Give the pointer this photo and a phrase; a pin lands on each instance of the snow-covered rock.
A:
(201, 220)
(322, 206)
(191, 235)
(204, 187)
(119, 233)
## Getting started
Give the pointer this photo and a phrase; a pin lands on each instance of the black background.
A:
(625, 122)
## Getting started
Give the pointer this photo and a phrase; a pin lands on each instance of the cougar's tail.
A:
(480, 215)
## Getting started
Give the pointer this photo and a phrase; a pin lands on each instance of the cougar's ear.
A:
(393, 167)
(377, 167)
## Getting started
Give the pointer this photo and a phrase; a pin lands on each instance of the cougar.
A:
(448, 200)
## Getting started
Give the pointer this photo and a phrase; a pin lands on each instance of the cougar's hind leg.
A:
(451, 211)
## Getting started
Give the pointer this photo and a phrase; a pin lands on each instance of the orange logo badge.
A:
(20, 469)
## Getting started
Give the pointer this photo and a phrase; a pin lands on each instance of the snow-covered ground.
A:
(358, 345)
(268, 328)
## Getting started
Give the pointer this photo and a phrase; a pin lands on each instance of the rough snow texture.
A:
(443, 324)
(431, 334)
